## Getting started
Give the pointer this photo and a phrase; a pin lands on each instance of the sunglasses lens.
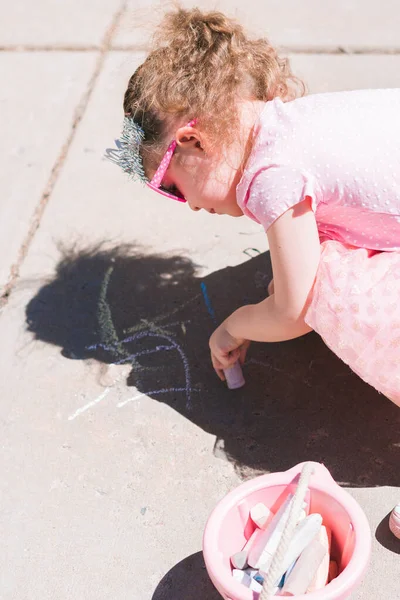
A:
(167, 193)
(174, 191)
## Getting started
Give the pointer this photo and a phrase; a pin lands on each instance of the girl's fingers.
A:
(218, 367)
(231, 359)
(243, 352)
(224, 361)
(220, 374)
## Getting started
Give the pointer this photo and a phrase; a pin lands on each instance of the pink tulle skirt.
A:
(355, 308)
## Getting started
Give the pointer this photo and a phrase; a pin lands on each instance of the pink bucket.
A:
(229, 522)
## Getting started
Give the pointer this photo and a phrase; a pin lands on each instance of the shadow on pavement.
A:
(300, 402)
(188, 580)
(385, 537)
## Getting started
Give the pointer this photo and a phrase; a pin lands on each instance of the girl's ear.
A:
(189, 138)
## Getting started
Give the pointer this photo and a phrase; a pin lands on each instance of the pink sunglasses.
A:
(156, 182)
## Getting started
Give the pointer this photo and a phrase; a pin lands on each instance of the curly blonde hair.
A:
(201, 63)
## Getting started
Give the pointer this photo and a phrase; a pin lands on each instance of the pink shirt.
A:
(340, 149)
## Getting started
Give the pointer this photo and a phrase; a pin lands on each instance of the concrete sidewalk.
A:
(109, 471)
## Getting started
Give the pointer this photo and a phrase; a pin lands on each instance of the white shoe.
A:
(394, 521)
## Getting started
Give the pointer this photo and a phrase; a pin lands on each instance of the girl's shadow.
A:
(188, 580)
(150, 311)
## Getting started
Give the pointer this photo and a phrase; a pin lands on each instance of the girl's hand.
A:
(226, 350)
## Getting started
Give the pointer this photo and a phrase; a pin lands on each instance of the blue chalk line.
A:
(208, 302)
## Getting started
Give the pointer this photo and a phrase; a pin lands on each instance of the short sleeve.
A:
(274, 190)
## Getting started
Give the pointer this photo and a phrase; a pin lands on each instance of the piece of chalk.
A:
(261, 515)
(244, 513)
(394, 521)
(240, 559)
(320, 580)
(252, 572)
(255, 586)
(241, 577)
(290, 569)
(262, 551)
(333, 570)
(234, 376)
(303, 535)
(305, 569)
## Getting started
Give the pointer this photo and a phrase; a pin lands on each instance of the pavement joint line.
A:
(347, 50)
(49, 48)
(291, 49)
(59, 163)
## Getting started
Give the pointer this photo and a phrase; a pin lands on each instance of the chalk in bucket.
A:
(230, 526)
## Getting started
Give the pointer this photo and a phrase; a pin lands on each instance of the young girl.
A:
(217, 120)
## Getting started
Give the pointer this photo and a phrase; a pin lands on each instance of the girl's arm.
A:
(295, 253)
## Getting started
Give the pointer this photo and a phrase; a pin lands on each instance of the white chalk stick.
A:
(241, 577)
(321, 577)
(303, 535)
(267, 542)
(305, 569)
(251, 572)
(245, 579)
(255, 586)
(261, 515)
(290, 569)
(244, 513)
(394, 521)
(240, 559)
(234, 376)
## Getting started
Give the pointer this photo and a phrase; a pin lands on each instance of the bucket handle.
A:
(320, 471)
(298, 499)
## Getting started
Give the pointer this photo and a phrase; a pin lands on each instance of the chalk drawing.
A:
(104, 316)
(153, 392)
(89, 404)
(253, 361)
(145, 329)
(208, 302)
(144, 323)
(130, 357)
(143, 353)
(155, 320)
(251, 252)
(173, 345)
(180, 351)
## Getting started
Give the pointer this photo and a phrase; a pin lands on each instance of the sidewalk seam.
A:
(59, 163)
(380, 50)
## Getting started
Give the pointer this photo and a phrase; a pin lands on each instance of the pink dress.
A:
(342, 150)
